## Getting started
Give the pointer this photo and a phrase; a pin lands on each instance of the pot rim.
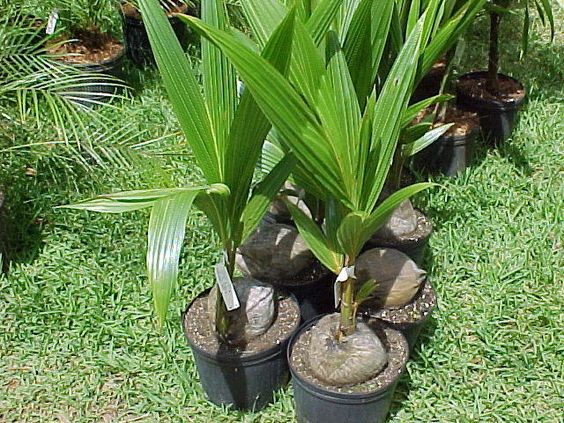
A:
(372, 316)
(488, 104)
(244, 358)
(333, 396)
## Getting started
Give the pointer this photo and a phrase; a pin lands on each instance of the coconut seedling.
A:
(225, 135)
(496, 10)
(494, 96)
(408, 229)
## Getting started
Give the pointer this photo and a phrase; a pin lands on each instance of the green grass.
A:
(79, 342)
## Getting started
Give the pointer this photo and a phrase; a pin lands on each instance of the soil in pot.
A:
(367, 401)
(136, 38)
(409, 318)
(93, 52)
(410, 239)
(453, 151)
(498, 112)
(243, 376)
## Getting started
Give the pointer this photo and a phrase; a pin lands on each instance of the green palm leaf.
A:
(167, 227)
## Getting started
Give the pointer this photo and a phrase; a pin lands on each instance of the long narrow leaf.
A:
(389, 108)
(218, 79)
(264, 193)
(316, 240)
(414, 147)
(183, 89)
(167, 227)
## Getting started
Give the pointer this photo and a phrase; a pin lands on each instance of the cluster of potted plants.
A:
(329, 84)
(83, 34)
(486, 102)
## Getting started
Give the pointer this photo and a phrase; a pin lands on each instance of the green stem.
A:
(221, 313)
(348, 316)
(396, 170)
(492, 84)
(441, 108)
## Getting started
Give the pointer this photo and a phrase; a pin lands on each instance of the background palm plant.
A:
(497, 9)
(346, 152)
(225, 135)
(38, 92)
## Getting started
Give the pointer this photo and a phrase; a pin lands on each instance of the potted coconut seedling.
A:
(85, 41)
(408, 229)
(452, 152)
(343, 368)
(496, 97)
(135, 34)
(315, 293)
(238, 331)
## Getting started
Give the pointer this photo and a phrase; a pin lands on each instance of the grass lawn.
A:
(79, 344)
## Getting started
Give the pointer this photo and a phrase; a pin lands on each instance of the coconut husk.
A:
(255, 315)
(397, 276)
(274, 252)
(354, 359)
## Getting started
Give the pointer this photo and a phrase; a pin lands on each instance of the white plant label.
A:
(344, 275)
(226, 287)
(52, 22)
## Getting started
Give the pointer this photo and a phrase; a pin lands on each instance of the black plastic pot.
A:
(429, 86)
(315, 297)
(497, 118)
(315, 404)
(137, 40)
(412, 245)
(246, 382)
(101, 89)
(449, 155)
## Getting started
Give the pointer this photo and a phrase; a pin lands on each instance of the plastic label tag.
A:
(344, 275)
(52, 22)
(225, 285)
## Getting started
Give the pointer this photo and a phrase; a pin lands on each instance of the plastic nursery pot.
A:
(449, 155)
(314, 296)
(430, 84)
(316, 402)
(237, 378)
(99, 90)
(497, 116)
(413, 245)
(410, 318)
(136, 38)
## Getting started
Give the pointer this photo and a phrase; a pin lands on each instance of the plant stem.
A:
(441, 108)
(492, 84)
(396, 170)
(348, 318)
(221, 313)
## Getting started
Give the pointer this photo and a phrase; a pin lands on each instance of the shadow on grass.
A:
(21, 229)
(32, 190)
(401, 395)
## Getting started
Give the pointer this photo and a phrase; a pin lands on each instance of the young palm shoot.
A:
(225, 135)
(347, 153)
